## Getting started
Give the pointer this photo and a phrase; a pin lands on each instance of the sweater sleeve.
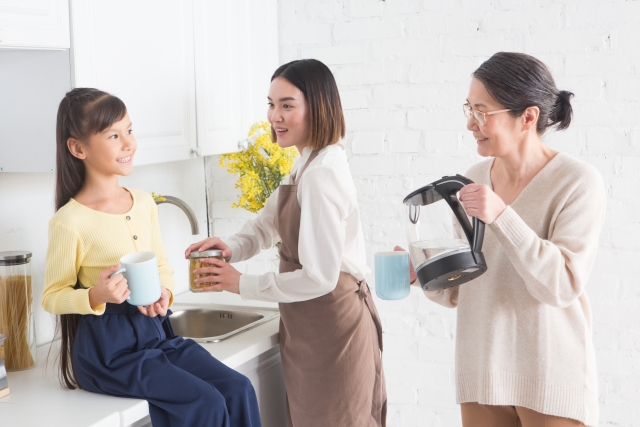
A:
(445, 297)
(555, 270)
(166, 271)
(256, 234)
(64, 258)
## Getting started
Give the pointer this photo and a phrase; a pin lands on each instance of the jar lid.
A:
(14, 257)
(206, 254)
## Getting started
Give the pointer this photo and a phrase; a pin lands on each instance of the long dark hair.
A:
(82, 113)
(519, 81)
(316, 82)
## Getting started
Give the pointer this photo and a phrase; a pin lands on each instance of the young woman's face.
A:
(111, 151)
(287, 114)
(499, 134)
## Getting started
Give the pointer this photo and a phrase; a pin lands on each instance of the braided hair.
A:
(82, 113)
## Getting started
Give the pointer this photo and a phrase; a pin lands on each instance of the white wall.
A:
(403, 68)
(27, 204)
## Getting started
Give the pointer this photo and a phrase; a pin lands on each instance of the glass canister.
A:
(195, 262)
(16, 310)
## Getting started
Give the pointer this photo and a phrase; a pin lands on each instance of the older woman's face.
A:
(499, 134)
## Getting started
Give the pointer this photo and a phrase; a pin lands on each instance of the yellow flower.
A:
(261, 167)
(158, 197)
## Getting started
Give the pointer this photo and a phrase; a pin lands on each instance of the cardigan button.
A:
(128, 218)
(135, 237)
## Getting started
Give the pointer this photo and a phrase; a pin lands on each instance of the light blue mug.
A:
(392, 274)
(143, 278)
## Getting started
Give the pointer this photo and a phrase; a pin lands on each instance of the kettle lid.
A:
(430, 194)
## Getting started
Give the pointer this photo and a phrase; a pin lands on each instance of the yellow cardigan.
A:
(83, 242)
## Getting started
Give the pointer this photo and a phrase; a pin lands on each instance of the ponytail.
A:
(563, 110)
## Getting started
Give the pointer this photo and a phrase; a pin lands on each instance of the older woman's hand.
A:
(412, 272)
(481, 201)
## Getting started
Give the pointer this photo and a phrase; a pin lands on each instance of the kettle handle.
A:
(448, 188)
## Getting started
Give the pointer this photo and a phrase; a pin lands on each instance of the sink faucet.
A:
(182, 205)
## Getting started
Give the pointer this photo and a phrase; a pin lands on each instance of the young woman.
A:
(330, 332)
(109, 346)
(524, 350)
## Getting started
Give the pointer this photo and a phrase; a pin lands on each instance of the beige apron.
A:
(331, 346)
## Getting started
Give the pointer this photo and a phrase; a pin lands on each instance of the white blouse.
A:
(330, 238)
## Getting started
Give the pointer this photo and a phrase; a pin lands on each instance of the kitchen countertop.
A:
(37, 398)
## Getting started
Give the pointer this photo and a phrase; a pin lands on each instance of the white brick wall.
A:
(403, 69)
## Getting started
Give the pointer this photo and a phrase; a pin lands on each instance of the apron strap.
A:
(365, 293)
(295, 177)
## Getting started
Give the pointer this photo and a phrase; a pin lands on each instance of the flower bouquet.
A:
(261, 165)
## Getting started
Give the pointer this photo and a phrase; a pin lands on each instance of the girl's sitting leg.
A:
(124, 353)
(236, 388)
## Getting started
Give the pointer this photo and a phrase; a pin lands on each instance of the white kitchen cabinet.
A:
(236, 53)
(142, 52)
(265, 373)
(34, 24)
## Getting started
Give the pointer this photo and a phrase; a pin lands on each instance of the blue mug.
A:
(392, 274)
(143, 278)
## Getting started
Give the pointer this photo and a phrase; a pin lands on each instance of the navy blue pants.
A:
(124, 353)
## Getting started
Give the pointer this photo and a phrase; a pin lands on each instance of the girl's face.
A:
(500, 132)
(111, 151)
(287, 114)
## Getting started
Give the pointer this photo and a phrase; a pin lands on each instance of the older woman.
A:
(524, 350)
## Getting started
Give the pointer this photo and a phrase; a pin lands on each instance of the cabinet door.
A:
(236, 52)
(142, 52)
(34, 24)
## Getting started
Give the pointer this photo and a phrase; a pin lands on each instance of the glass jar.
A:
(195, 262)
(16, 310)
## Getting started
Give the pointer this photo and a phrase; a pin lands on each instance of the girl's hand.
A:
(114, 290)
(209, 243)
(413, 277)
(226, 278)
(159, 307)
(480, 201)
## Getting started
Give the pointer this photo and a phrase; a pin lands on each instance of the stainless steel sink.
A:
(214, 323)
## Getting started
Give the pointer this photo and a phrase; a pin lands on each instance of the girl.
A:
(330, 333)
(109, 346)
(524, 350)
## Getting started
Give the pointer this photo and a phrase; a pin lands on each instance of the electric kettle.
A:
(446, 250)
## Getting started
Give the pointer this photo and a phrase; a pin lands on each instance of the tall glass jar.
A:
(16, 310)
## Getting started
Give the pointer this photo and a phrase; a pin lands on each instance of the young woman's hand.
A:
(210, 243)
(114, 290)
(412, 272)
(159, 307)
(480, 201)
(226, 278)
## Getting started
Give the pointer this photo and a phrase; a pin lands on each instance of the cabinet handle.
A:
(196, 151)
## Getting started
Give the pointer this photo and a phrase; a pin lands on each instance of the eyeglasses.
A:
(480, 116)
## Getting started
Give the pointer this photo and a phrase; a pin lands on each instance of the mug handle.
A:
(122, 270)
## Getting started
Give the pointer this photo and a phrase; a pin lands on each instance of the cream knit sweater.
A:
(524, 333)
